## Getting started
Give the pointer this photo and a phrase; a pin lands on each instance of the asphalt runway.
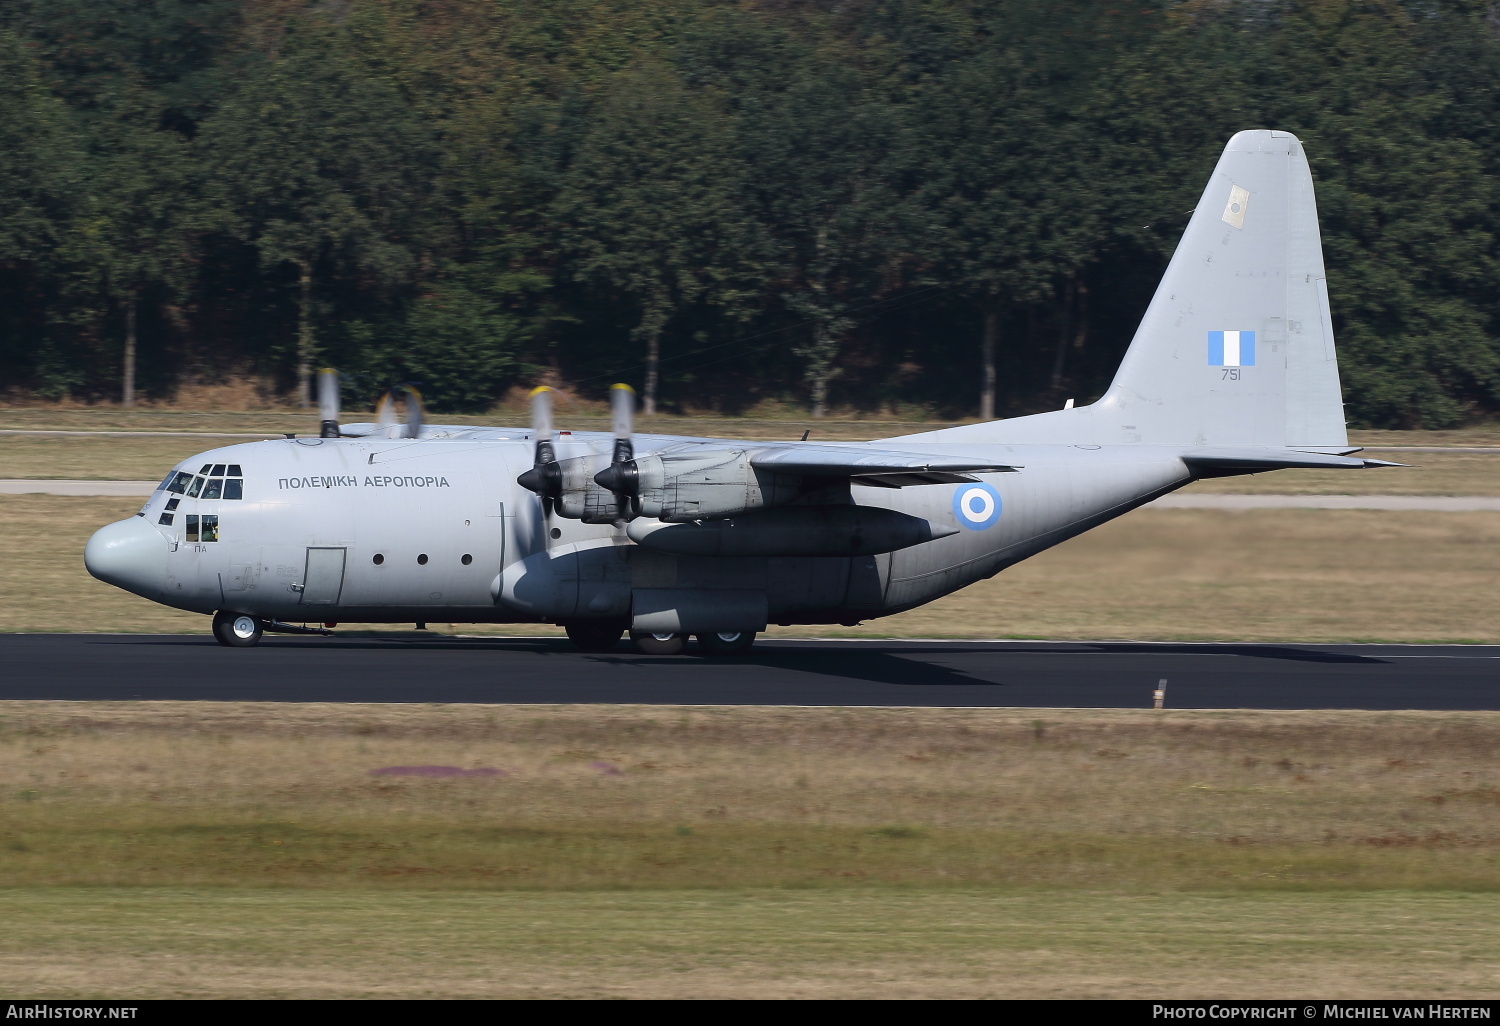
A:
(92, 667)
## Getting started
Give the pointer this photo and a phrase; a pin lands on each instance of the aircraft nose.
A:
(129, 554)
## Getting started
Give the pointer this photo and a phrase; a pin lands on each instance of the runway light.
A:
(1161, 692)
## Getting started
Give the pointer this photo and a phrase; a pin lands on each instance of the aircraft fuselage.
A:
(407, 530)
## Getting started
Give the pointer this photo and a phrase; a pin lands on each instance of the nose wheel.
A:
(237, 630)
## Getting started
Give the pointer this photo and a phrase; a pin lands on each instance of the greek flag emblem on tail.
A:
(1231, 349)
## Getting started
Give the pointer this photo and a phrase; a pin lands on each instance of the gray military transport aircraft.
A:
(1232, 371)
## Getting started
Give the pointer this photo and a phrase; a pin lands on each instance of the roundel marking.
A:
(976, 506)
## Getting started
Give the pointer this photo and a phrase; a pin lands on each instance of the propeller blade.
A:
(545, 476)
(415, 414)
(620, 477)
(328, 403)
(385, 414)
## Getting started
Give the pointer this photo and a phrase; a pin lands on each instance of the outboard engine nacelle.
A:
(705, 485)
(675, 487)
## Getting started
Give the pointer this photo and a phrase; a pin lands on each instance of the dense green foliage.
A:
(835, 204)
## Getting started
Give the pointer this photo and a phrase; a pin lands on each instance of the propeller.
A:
(415, 414)
(385, 412)
(328, 403)
(545, 476)
(621, 476)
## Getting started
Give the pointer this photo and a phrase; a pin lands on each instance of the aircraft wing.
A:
(879, 467)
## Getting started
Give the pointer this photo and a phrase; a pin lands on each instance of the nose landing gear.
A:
(237, 630)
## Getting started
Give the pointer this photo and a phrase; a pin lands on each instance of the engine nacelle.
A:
(581, 497)
(677, 487)
(699, 485)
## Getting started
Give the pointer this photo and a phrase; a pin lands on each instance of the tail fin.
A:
(1237, 345)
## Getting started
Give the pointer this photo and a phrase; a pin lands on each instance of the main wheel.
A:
(726, 643)
(659, 644)
(594, 635)
(237, 630)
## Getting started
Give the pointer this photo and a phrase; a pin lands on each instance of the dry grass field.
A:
(1277, 575)
(160, 849)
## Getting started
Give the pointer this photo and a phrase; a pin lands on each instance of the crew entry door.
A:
(324, 578)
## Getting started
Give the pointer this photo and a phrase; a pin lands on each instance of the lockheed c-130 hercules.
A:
(1232, 371)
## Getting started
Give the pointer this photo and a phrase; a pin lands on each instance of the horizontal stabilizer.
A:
(860, 462)
(1226, 461)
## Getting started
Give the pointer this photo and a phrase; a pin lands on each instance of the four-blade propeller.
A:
(545, 476)
(621, 476)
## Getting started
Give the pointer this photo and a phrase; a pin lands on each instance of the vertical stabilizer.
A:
(1236, 347)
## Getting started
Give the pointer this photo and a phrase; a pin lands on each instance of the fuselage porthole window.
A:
(467, 559)
(214, 488)
(379, 558)
(192, 527)
(422, 559)
(234, 488)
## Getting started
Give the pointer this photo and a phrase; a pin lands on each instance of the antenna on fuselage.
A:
(328, 403)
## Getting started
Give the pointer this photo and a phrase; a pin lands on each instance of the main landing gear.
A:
(727, 643)
(596, 636)
(237, 630)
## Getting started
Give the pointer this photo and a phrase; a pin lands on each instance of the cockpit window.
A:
(218, 470)
(195, 488)
(214, 488)
(234, 470)
(179, 481)
(166, 480)
(234, 488)
(205, 469)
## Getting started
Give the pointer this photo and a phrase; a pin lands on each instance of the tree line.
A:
(958, 207)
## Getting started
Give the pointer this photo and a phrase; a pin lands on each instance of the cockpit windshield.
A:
(214, 481)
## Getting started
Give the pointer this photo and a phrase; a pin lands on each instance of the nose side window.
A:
(210, 529)
(192, 527)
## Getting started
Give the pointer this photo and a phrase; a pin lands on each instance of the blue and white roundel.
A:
(976, 506)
